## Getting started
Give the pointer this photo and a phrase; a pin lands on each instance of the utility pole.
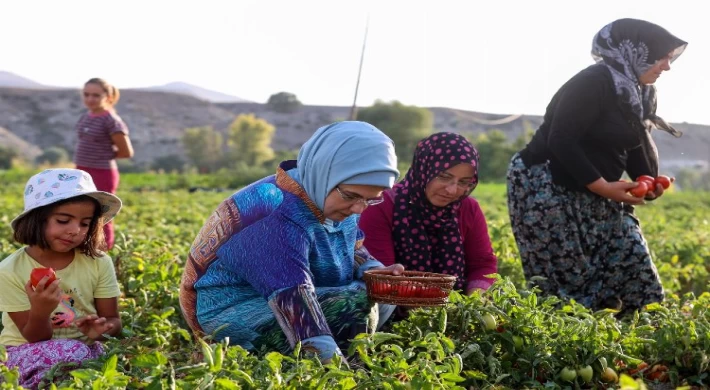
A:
(353, 109)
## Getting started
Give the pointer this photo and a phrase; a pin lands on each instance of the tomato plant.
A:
(38, 273)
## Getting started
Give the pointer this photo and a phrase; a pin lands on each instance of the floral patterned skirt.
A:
(34, 360)
(584, 247)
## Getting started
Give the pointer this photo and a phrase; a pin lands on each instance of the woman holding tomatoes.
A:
(428, 221)
(572, 215)
(281, 261)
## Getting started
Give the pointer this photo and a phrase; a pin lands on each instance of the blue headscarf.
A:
(345, 153)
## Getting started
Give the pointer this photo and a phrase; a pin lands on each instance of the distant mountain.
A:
(42, 118)
(198, 92)
(11, 80)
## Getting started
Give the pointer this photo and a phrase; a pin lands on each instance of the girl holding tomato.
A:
(571, 214)
(428, 221)
(281, 261)
(49, 316)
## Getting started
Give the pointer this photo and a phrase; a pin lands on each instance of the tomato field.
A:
(506, 338)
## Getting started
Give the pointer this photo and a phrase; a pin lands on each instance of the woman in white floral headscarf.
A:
(571, 214)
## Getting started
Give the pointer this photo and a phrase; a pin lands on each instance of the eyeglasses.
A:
(449, 180)
(359, 199)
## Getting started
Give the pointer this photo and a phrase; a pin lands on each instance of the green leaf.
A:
(223, 383)
(452, 377)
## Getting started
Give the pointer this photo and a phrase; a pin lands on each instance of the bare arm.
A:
(616, 191)
(105, 321)
(124, 148)
(34, 324)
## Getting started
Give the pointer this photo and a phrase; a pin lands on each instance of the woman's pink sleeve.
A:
(480, 259)
(376, 223)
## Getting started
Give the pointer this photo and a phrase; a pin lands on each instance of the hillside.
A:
(198, 92)
(157, 120)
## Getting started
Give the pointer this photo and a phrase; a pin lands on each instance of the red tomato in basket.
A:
(406, 290)
(432, 292)
(380, 288)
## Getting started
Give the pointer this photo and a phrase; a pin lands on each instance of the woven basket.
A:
(412, 288)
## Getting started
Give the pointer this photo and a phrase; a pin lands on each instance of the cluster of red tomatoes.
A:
(407, 290)
(647, 184)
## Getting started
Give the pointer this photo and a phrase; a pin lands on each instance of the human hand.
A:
(616, 191)
(93, 326)
(658, 191)
(44, 298)
(394, 269)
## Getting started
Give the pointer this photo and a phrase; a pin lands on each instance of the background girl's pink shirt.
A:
(376, 223)
(94, 146)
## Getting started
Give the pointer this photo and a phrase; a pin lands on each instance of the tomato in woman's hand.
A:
(648, 179)
(640, 190)
(664, 181)
(39, 273)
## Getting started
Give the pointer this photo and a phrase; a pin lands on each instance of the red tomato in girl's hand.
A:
(664, 181)
(39, 273)
(640, 190)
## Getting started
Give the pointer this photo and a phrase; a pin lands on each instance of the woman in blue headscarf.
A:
(281, 260)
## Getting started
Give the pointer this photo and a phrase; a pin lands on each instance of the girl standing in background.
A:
(102, 137)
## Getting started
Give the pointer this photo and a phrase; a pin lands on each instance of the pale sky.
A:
(497, 56)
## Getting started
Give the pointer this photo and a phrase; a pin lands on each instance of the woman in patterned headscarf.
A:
(571, 213)
(428, 221)
(281, 261)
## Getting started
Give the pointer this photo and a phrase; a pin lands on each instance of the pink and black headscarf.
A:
(427, 237)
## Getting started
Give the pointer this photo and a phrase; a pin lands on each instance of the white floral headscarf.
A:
(629, 48)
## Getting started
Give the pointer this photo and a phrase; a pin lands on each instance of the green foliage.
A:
(169, 163)
(249, 140)
(284, 103)
(204, 148)
(406, 125)
(495, 152)
(53, 156)
(456, 347)
(693, 179)
(7, 155)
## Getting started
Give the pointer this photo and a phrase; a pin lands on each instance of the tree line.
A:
(243, 151)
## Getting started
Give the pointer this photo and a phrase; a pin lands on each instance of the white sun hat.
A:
(53, 185)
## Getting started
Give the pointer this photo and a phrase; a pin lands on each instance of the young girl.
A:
(59, 321)
(102, 137)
